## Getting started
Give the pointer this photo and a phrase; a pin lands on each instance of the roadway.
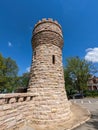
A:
(92, 105)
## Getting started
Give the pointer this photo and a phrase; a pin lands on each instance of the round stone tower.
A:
(46, 75)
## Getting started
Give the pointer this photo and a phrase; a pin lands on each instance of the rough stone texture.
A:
(15, 110)
(47, 78)
(80, 116)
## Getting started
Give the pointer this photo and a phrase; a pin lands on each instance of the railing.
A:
(15, 97)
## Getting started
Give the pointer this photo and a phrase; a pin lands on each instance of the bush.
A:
(93, 93)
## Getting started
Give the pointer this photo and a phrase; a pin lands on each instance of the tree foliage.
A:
(77, 72)
(9, 79)
(2, 76)
(8, 73)
(11, 69)
(22, 81)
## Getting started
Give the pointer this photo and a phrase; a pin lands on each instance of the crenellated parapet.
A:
(44, 20)
(47, 28)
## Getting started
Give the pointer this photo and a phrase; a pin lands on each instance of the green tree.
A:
(22, 82)
(77, 72)
(11, 69)
(2, 76)
(25, 79)
(8, 74)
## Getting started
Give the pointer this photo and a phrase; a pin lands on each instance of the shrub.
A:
(93, 93)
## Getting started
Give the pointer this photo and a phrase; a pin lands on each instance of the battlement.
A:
(44, 20)
(47, 25)
(47, 31)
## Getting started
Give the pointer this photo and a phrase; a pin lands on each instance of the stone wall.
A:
(15, 110)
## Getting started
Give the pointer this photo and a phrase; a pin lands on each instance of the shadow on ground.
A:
(93, 122)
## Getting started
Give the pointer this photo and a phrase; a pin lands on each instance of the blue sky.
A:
(78, 18)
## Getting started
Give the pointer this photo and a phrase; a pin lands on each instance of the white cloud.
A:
(28, 69)
(92, 54)
(9, 44)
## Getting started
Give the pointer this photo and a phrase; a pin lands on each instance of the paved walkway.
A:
(86, 101)
(92, 105)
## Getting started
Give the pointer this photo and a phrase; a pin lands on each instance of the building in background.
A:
(93, 83)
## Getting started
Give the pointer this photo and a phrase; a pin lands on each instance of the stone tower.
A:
(47, 78)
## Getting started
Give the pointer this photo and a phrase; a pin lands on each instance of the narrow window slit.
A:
(53, 59)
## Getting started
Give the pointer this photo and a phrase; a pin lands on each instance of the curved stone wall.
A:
(46, 30)
(47, 77)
